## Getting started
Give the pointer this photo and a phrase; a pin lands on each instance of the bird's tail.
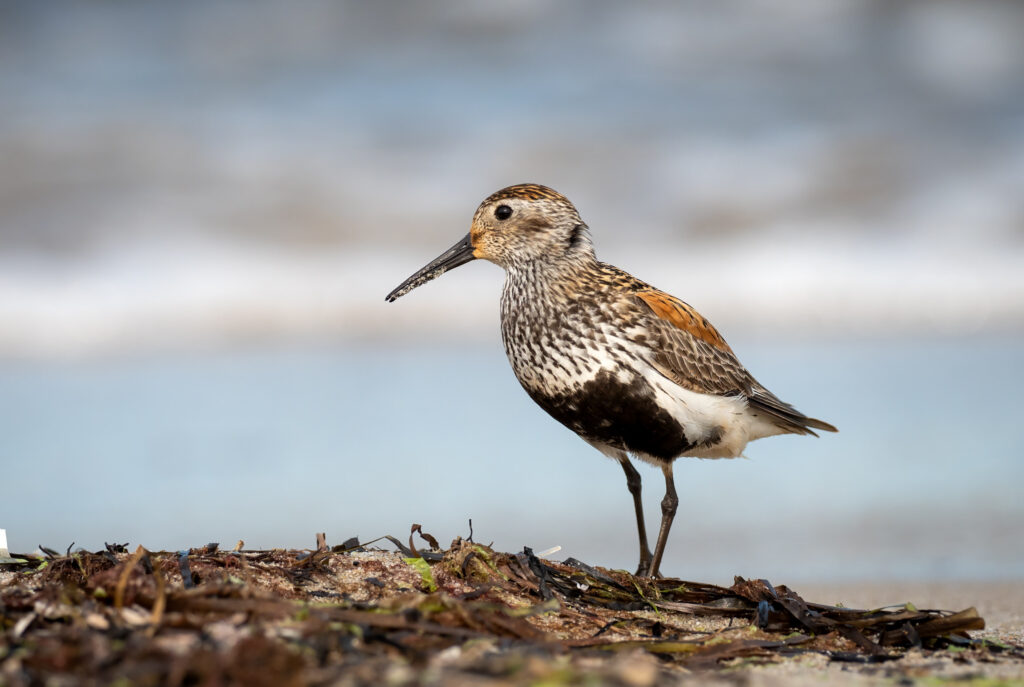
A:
(819, 424)
(785, 415)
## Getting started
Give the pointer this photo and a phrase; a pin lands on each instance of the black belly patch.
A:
(623, 415)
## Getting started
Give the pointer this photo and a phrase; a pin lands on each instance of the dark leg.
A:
(633, 482)
(668, 512)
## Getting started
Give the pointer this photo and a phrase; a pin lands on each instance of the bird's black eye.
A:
(503, 212)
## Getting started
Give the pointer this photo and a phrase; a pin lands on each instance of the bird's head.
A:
(513, 227)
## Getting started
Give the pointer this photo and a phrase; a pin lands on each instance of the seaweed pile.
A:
(463, 615)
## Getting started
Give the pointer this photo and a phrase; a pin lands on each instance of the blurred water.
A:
(202, 205)
(923, 480)
(186, 169)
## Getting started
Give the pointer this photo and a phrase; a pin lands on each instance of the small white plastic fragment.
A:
(5, 555)
(548, 552)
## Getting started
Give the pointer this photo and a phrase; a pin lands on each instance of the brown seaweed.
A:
(207, 616)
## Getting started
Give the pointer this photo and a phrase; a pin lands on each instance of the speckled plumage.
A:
(629, 368)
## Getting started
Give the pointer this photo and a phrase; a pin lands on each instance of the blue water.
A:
(924, 479)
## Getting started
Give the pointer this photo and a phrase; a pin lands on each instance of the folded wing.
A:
(688, 350)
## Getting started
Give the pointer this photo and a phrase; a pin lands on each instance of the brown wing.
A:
(691, 352)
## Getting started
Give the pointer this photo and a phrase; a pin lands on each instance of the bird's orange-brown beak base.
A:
(459, 254)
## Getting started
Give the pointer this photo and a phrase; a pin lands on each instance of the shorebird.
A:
(630, 369)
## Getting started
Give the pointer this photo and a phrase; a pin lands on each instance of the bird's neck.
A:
(539, 291)
(540, 277)
(536, 303)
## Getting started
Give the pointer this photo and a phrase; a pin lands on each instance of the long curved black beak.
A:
(459, 254)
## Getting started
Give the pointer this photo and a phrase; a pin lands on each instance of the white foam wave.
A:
(154, 296)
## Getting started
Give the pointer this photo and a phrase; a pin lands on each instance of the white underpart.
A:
(704, 415)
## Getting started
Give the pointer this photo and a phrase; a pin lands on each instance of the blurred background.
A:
(203, 204)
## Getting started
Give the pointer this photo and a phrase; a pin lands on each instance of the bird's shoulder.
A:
(681, 343)
(663, 307)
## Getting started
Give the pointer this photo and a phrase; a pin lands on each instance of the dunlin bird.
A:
(630, 369)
